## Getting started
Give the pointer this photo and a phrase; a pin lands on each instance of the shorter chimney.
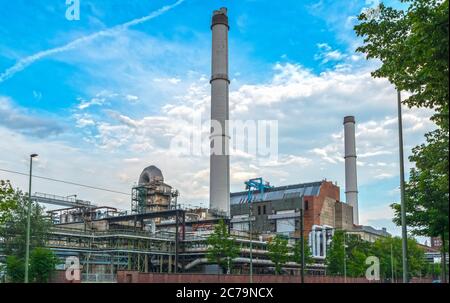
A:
(351, 183)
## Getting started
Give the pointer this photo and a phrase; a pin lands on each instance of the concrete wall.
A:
(344, 216)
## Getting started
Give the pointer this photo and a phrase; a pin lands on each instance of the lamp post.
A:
(27, 248)
(402, 191)
(302, 241)
(251, 239)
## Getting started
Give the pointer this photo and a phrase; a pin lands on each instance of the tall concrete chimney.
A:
(219, 186)
(351, 183)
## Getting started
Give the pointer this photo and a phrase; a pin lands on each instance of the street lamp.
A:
(302, 243)
(402, 191)
(27, 248)
(251, 239)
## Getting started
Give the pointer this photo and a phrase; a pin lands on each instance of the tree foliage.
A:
(355, 254)
(42, 264)
(389, 252)
(222, 248)
(297, 252)
(412, 45)
(15, 269)
(357, 251)
(278, 252)
(13, 213)
(8, 201)
(13, 229)
(335, 255)
(427, 198)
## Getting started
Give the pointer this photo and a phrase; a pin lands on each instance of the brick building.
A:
(277, 209)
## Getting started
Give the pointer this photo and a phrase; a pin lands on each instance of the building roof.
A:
(369, 229)
(278, 193)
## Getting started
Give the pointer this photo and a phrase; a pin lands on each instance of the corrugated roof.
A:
(278, 193)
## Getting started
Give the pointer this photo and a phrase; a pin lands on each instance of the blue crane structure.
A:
(256, 184)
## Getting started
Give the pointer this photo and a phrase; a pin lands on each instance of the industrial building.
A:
(158, 235)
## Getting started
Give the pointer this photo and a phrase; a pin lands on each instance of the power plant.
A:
(158, 234)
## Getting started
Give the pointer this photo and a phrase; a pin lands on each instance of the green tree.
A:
(355, 254)
(13, 213)
(8, 201)
(356, 264)
(222, 248)
(389, 252)
(412, 46)
(15, 269)
(13, 229)
(278, 252)
(42, 264)
(297, 252)
(335, 255)
(427, 191)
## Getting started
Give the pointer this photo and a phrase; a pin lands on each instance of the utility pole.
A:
(27, 245)
(251, 239)
(402, 191)
(302, 241)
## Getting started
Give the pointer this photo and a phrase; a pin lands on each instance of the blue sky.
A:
(100, 109)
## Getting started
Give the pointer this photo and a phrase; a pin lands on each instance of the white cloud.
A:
(132, 98)
(309, 109)
(327, 54)
(314, 104)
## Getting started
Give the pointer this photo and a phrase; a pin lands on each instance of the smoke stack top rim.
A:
(220, 17)
(222, 10)
(349, 119)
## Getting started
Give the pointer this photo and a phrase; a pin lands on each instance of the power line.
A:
(67, 182)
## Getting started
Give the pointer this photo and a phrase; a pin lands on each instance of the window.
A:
(285, 226)
(264, 209)
(259, 210)
(306, 205)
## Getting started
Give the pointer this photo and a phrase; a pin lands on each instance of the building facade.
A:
(277, 210)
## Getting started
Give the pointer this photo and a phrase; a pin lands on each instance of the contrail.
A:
(25, 62)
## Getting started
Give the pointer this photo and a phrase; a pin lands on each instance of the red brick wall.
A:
(136, 277)
(315, 204)
(59, 276)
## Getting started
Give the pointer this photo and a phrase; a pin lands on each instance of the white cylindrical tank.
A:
(219, 191)
(351, 183)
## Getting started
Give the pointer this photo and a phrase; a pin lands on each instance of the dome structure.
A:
(150, 174)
